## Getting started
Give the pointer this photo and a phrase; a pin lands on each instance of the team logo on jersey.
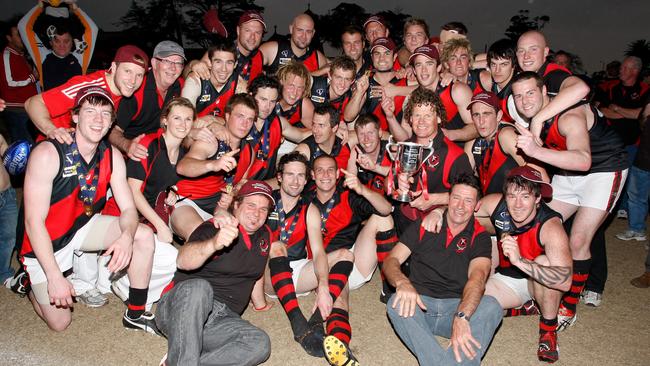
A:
(461, 244)
(217, 112)
(285, 53)
(69, 168)
(504, 222)
(635, 96)
(204, 98)
(433, 161)
(264, 247)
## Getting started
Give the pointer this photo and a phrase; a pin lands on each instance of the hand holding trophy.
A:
(408, 158)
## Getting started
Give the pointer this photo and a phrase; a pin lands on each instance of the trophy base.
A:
(403, 197)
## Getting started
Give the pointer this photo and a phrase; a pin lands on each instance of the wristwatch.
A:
(461, 315)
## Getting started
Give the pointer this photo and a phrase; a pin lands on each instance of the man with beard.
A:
(278, 53)
(50, 111)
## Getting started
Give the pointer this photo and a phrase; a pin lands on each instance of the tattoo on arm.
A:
(550, 276)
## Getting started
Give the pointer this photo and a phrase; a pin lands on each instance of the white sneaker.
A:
(621, 214)
(93, 298)
(631, 235)
(592, 298)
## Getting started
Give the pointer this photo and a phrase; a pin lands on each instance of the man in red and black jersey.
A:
(353, 44)
(218, 267)
(369, 159)
(140, 115)
(334, 89)
(368, 95)
(211, 171)
(250, 61)
(494, 153)
(455, 97)
(323, 139)
(296, 47)
(50, 111)
(592, 168)
(65, 189)
(334, 218)
(424, 111)
(211, 96)
(265, 136)
(567, 89)
(457, 58)
(448, 272)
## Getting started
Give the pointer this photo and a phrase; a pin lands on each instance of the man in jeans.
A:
(638, 191)
(443, 294)
(217, 269)
(8, 218)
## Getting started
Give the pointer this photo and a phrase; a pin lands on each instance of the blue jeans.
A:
(8, 222)
(418, 332)
(638, 188)
(17, 122)
(204, 331)
(625, 194)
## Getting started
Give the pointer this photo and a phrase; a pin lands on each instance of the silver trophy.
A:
(408, 158)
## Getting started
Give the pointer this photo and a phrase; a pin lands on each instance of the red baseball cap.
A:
(387, 43)
(529, 173)
(375, 18)
(486, 97)
(212, 23)
(252, 187)
(89, 91)
(132, 54)
(249, 16)
(427, 50)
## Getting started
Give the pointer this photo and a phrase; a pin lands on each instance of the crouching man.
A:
(200, 309)
(443, 295)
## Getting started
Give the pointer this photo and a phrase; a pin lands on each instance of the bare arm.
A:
(508, 140)
(293, 133)
(307, 112)
(269, 51)
(194, 163)
(203, 243)
(357, 100)
(191, 90)
(557, 273)
(321, 268)
(572, 90)
(40, 116)
(462, 95)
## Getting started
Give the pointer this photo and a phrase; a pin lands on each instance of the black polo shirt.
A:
(439, 262)
(141, 113)
(156, 171)
(232, 271)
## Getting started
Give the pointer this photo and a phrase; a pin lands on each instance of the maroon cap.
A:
(488, 98)
(132, 54)
(252, 187)
(387, 43)
(375, 18)
(89, 91)
(249, 16)
(529, 173)
(212, 23)
(427, 50)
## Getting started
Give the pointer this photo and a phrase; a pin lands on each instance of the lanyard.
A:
(284, 233)
(87, 191)
(325, 215)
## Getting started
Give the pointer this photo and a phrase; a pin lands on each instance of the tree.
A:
(522, 23)
(641, 49)
(151, 21)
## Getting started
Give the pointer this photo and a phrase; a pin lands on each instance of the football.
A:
(15, 158)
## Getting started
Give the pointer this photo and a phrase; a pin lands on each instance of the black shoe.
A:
(146, 322)
(312, 340)
(19, 283)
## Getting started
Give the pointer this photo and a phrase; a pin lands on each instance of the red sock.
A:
(580, 274)
(337, 279)
(338, 325)
(286, 292)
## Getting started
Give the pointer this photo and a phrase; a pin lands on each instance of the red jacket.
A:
(18, 81)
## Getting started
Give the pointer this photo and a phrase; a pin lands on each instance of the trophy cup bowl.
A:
(408, 158)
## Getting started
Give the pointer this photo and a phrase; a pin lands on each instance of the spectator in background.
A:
(60, 65)
(8, 219)
(17, 84)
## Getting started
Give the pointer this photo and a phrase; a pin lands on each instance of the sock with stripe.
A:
(547, 325)
(338, 325)
(286, 292)
(528, 308)
(337, 279)
(137, 302)
(386, 241)
(580, 275)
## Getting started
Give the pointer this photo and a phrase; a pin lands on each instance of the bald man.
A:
(296, 47)
(532, 53)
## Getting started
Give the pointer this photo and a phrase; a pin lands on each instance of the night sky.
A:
(597, 30)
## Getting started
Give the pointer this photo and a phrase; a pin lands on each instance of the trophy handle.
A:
(389, 145)
(430, 148)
